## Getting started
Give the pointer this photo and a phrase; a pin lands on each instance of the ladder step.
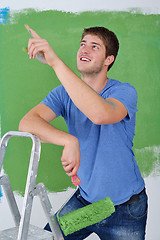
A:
(35, 233)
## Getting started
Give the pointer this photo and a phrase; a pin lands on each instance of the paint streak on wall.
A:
(26, 82)
(4, 13)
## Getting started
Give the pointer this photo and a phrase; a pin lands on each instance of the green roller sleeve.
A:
(86, 216)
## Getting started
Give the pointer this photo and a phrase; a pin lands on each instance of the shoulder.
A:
(60, 89)
(118, 84)
(56, 100)
(56, 96)
(59, 92)
(126, 94)
(122, 88)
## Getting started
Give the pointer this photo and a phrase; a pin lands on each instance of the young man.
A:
(100, 114)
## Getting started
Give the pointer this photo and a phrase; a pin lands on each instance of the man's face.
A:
(91, 55)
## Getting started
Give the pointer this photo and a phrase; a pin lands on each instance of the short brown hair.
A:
(109, 39)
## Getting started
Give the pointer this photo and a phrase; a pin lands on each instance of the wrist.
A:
(55, 61)
(71, 140)
(57, 64)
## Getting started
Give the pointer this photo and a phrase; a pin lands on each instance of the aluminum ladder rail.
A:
(22, 230)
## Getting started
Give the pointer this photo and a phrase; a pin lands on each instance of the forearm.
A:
(45, 131)
(37, 121)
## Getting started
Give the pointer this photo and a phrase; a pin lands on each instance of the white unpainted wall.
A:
(146, 6)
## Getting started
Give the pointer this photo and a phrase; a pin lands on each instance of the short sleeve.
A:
(56, 100)
(127, 95)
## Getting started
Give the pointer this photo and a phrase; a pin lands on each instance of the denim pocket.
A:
(139, 209)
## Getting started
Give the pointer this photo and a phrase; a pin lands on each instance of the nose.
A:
(87, 49)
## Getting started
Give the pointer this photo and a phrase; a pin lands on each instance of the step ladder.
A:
(23, 230)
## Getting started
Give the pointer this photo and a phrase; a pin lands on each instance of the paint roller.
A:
(86, 216)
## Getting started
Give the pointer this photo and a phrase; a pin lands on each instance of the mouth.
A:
(85, 59)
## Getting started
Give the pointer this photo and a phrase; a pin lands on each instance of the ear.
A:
(109, 60)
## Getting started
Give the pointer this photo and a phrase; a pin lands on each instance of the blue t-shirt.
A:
(108, 167)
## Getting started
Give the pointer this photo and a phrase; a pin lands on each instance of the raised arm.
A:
(98, 110)
(37, 121)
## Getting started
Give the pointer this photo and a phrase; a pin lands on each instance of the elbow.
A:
(21, 126)
(104, 119)
(100, 119)
(24, 125)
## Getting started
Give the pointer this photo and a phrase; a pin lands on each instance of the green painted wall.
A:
(26, 82)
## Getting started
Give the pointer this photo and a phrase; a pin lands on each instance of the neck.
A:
(96, 81)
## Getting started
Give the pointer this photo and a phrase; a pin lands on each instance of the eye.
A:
(95, 47)
(82, 45)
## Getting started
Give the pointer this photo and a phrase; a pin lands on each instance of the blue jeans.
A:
(128, 222)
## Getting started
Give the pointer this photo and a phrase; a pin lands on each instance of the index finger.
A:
(32, 32)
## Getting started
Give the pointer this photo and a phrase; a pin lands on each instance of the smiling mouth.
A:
(84, 59)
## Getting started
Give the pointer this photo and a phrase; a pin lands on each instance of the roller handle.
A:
(75, 180)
